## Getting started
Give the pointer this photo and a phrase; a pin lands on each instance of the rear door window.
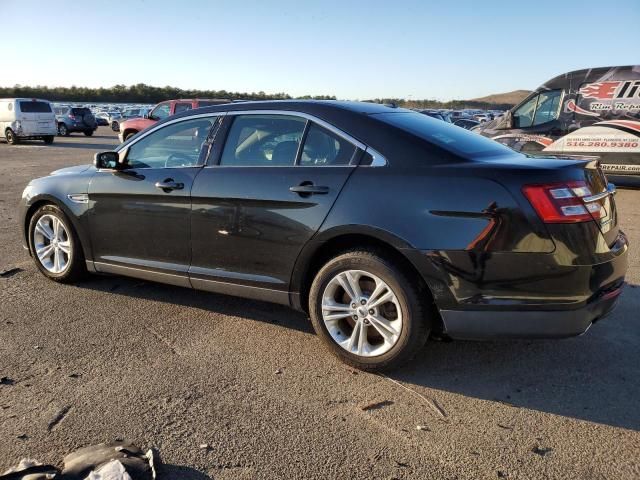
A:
(35, 107)
(263, 141)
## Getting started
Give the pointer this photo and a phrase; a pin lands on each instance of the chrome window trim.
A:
(377, 159)
(307, 116)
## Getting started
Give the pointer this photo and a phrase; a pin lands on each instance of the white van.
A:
(26, 119)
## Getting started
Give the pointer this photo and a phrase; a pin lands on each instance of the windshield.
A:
(446, 136)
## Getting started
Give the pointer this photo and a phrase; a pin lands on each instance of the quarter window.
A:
(263, 141)
(323, 148)
(176, 145)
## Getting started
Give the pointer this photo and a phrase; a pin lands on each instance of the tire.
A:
(115, 126)
(74, 268)
(11, 137)
(63, 131)
(88, 133)
(48, 139)
(406, 313)
(128, 135)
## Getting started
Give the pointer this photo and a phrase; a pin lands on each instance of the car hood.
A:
(70, 170)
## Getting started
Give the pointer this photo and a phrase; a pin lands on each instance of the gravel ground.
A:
(176, 369)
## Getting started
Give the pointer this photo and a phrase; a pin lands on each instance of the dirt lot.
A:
(174, 368)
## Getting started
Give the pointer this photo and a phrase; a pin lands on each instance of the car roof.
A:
(306, 106)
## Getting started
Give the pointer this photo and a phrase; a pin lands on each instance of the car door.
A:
(270, 184)
(139, 216)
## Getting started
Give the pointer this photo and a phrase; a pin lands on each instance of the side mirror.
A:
(107, 160)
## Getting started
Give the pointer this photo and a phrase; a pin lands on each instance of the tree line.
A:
(142, 93)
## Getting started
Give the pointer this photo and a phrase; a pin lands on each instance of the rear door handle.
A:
(309, 189)
(169, 184)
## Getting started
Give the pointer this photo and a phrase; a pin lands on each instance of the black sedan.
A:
(382, 223)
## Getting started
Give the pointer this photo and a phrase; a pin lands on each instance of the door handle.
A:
(309, 189)
(168, 185)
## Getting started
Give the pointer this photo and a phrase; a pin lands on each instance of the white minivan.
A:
(27, 119)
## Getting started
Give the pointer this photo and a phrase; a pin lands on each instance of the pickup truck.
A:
(161, 111)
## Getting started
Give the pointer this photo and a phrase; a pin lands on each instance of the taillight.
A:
(563, 202)
(72, 117)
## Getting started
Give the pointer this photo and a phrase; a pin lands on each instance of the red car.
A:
(161, 111)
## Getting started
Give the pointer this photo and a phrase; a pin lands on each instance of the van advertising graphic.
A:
(597, 113)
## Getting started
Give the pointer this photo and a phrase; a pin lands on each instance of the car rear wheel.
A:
(115, 126)
(54, 245)
(88, 133)
(368, 311)
(48, 139)
(11, 137)
(63, 131)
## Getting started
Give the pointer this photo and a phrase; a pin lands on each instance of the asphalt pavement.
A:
(227, 388)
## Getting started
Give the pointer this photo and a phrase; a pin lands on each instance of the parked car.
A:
(466, 123)
(161, 111)
(26, 119)
(127, 115)
(75, 119)
(433, 114)
(102, 119)
(585, 112)
(384, 224)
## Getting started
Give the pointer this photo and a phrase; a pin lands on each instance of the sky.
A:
(353, 49)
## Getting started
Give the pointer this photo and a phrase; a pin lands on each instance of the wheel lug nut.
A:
(353, 305)
(363, 301)
(355, 317)
(371, 312)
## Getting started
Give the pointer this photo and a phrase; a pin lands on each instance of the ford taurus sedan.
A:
(383, 224)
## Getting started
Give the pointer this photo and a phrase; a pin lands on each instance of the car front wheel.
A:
(54, 245)
(368, 311)
(63, 131)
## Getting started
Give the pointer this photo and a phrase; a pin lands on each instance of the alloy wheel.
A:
(52, 244)
(361, 313)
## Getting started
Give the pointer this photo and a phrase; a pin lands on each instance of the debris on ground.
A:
(7, 381)
(376, 405)
(541, 451)
(112, 461)
(279, 371)
(423, 428)
(10, 272)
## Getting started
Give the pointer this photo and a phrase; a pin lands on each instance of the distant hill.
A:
(512, 98)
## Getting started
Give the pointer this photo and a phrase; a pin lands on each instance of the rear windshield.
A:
(446, 136)
(35, 107)
(80, 111)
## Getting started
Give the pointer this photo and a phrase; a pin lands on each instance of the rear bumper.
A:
(472, 325)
